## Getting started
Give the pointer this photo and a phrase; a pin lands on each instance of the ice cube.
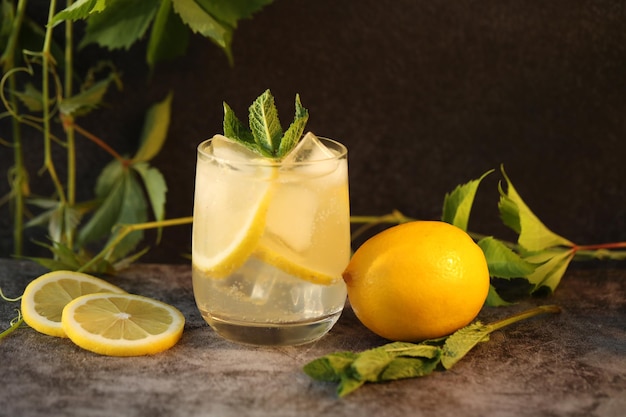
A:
(291, 216)
(229, 150)
(310, 149)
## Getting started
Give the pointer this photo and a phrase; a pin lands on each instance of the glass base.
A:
(272, 334)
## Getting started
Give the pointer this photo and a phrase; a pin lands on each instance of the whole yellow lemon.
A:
(417, 280)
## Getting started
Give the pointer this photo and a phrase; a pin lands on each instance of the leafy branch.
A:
(539, 257)
(401, 360)
(37, 90)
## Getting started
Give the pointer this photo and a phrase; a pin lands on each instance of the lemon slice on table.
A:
(44, 298)
(122, 324)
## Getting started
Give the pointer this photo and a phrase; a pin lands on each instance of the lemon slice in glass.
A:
(122, 324)
(241, 193)
(290, 262)
(45, 297)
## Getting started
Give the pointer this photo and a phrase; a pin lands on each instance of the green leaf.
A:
(237, 131)
(154, 130)
(533, 234)
(295, 130)
(156, 187)
(457, 205)
(459, 343)
(80, 9)
(133, 210)
(265, 125)
(106, 215)
(169, 36)
(86, 100)
(502, 261)
(120, 24)
(199, 21)
(370, 364)
(554, 263)
(232, 11)
(330, 367)
(494, 299)
(30, 97)
(109, 178)
(408, 367)
(348, 384)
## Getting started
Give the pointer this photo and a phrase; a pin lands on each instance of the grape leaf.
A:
(156, 187)
(154, 130)
(533, 234)
(502, 261)
(80, 9)
(230, 12)
(87, 99)
(459, 343)
(200, 21)
(169, 37)
(457, 205)
(554, 263)
(120, 24)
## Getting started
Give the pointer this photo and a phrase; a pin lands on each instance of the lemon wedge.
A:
(292, 263)
(242, 194)
(122, 324)
(44, 298)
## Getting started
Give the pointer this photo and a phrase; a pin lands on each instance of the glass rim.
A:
(340, 147)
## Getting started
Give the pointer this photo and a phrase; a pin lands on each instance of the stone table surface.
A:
(571, 364)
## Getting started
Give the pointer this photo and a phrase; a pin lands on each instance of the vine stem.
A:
(523, 316)
(124, 229)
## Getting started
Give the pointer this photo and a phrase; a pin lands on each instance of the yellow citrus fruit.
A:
(122, 324)
(417, 280)
(45, 297)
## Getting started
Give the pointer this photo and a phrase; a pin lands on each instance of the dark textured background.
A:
(425, 94)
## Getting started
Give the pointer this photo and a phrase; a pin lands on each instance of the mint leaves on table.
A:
(265, 135)
(400, 360)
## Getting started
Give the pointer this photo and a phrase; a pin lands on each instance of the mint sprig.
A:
(265, 135)
(401, 360)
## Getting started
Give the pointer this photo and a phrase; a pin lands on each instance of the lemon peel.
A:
(122, 324)
(45, 297)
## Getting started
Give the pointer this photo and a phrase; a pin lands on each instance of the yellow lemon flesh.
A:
(122, 324)
(417, 280)
(45, 297)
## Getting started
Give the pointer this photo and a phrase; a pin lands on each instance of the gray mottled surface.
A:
(573, 364)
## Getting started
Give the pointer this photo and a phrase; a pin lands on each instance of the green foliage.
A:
(119, 24)
(265, 135)
(400, 360)
(129, 191)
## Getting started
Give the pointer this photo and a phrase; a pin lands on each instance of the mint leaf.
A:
(265, 134)
(457, 205)
(533, 234)
(295, 130)
(459, 343)
(330, 367)
(399, 360)
(265, 125)
(237, 131)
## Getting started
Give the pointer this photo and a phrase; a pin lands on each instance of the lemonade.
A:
(270, 240)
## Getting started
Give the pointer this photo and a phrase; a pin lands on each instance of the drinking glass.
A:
(270, 241)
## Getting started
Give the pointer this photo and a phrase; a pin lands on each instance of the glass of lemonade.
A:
(270, 240)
